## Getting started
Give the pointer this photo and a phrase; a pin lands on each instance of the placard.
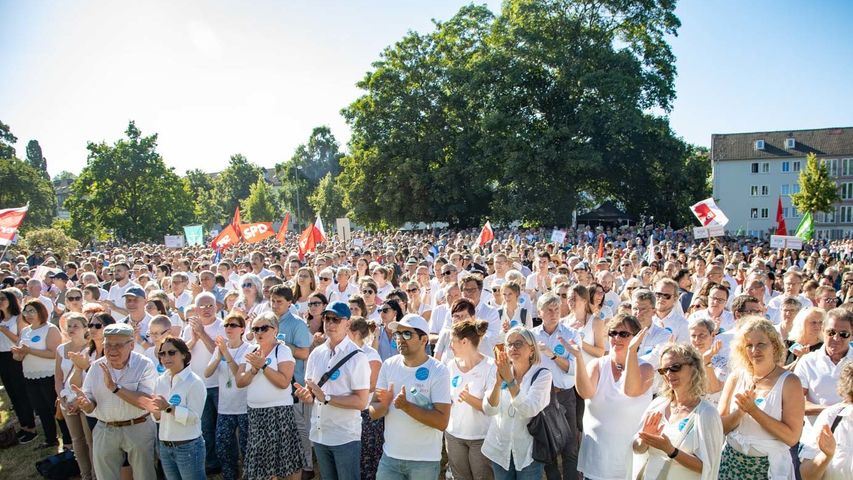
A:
(174, 241)
(709, 231)
(558, 236)
(786, 241)
(344, 229)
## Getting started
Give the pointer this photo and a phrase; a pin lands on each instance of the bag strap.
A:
(327, 375)
(837, 419)
(523, 315)
(536, 375)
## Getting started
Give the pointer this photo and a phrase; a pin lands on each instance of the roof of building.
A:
(821, 141)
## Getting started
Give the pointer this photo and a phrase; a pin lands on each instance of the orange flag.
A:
(600, 245)
(226, 238)
(486, 235)
(256, 232)
(236, 221)
(282, 230)
(308, 240)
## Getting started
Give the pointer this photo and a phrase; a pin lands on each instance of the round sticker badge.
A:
(422, 373)
(280, 337)
(36, 338)
(161, 369)
(682, 424)
(560, 349)
(513, 323)
(455, 381)
(335, 375)
(175, 399)
(759, 401)
(394, 344)
(268, 361)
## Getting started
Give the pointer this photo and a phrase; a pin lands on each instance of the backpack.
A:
(61, 466)
(549, 429)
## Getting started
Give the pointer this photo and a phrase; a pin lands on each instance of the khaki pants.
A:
(81, 439)
(302, 415)
(111, 443)
(465, 459)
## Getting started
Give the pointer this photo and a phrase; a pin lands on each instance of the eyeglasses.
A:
(163, 353)
(261, 329)
(315, 304)
(663, 295)
(405, 335)
(96, 326)
(674, 368)
(116, 346)
(248, 285)
(232, 325)
(833, 332)
(367, 292)
(73, 299)
(619, 333)
(204, 306)
(516, 345)
(332, 318)
(718, 299)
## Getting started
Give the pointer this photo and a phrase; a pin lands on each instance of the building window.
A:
(753, 213)
(765, 167)
(846, 191)
(846, 165)
(795, 188)
(831, 166)
(764, 213)
(754, 167)
(765, 190)
(845, 214)
(785, 212)
(753, 191)
(786, 167)
(797, 166)
(786, 189)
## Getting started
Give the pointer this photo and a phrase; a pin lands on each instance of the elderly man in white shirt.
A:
(118, 392)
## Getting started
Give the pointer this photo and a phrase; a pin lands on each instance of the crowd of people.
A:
(406, 355)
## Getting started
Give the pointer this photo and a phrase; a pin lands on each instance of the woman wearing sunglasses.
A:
(368, 294)
(305, 286)
(681, 432)
(231, 410)
(391, 311)
(74, 300)
(251, 301)
(619, 388)
(11, 371)
(314, 316)
(178, 402)
(274, 449)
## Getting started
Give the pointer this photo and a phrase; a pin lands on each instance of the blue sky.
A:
(220, 77)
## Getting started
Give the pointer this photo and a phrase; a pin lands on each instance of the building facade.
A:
(751, 171)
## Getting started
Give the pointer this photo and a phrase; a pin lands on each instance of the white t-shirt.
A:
(820, 377)
(261, 392)
(200, 354)
(405, 437)
(116, 294)
(232, 400)
(466, 422)
(182, 301)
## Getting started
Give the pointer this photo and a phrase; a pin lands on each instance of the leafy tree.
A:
(53, 239)
(327, 199)
(260, 205)
(199, 181)
(36, 158)
(64, 175)
(127, 191)
(309, 164)
(234, 183)
(21, 183)
(7, 142)
(818, 192)
(207, 210)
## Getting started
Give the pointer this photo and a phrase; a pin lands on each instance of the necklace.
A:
(684, 407)
(755, 382)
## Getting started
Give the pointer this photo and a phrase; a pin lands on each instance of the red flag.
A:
(781, 228)
(282, 230)
(10, 220)
(486, 235)
(256, 232)
(308, 241)
(226, 238)
(235, 223)
(600, 245)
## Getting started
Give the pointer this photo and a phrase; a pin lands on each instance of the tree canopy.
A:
(309, 164)
(260, 205)
(818, 191)
(20, 183)
(7, 142)
(36, 158)
(126, 191)
(233, 183)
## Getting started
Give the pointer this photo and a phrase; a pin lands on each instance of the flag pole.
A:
(5, 250)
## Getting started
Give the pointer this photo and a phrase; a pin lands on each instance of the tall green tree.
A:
(233, 183)
(7, 142)
(260, 205)
(328, 199)
(301, 175)
(126, 191)
(199, 181)
(818, 191)
(20, 183)
(36, 158)
(207, 211)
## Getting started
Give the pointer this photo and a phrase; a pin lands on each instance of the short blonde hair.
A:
(799, 324)
(267, 317)
(845, 383)
(687, 355)
(754, 323)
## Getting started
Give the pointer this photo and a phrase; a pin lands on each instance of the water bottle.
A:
(420, 399)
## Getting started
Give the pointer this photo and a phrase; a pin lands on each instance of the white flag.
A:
(709, 213)
(319, 225)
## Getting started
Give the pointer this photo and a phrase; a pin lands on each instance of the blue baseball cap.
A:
(340, 309)
(134, 292)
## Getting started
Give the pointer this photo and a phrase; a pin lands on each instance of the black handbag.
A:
(61, 466)
(550, 430)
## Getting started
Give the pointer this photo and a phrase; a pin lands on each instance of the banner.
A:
(781, 228)
(308, 240)
(344, 229)
(486, 235)
(805, 229)
(235, 222)
(194, 235)
(784, 241)
(282, 230)
(319, 226)
(10, 220)
(256, 232)
(709, 213)
(225, 239)
(174, 241)
(558, 236)
(709, 231)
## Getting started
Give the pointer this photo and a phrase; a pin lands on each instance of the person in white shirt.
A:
(181, 298)
(471, 286)
(792, 286)
(718, 297)
(179, 397)
(520, 390)
(827, 451)
(118, 391)
(666, 314)
(35, 289)
(343, 289)
(121, 282)
(231, 410)
(274, 448)
(337, 382)
(462, 309)
(417, 413)
(258, 268)
(656, 338)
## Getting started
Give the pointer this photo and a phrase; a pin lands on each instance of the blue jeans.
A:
(394, 469)
(340, 462)
(227, 440)
(184, 462)
(530, 472)
(208, 427)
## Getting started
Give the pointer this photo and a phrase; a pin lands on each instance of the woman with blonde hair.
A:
(64, 375)
(806, 335)
(762, 406)
(304, 286)
(681, 432)
(581, 318)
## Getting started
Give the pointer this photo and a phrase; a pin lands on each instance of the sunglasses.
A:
(367, 292)
(832, 333)
(261, 329)
(405, 335)
(412, 290)
(315, 304)
(96, 326)
(674, 368)
(73, 299)
(248, 285)
(325, 279)
(232, 325)
(332, 318)
(163, 353)
(620, 334)
(444, 274)
(667, 296)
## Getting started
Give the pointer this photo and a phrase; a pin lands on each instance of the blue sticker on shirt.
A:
(455, 381)
(668, 330)
(513, 323)
(280, 337)
(521, 300)
(161, 369)
(36, 338)
(504, 386)
(268, 361)
(759, 401)
(335, 375)
(394, 344)
(560, 349)
(422, 373)
(682, 424)
(175, 399)
(648, 351)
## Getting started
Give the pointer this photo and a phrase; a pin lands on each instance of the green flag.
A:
(805, 229)
(194, 234)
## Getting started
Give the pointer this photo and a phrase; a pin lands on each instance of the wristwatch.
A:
(327, 400)
(264, 367)
(168, 409)
(118, 387)
(553, 356)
